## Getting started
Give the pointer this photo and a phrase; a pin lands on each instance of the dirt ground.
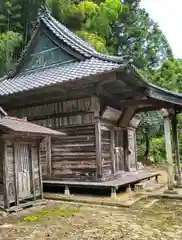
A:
(147, 219)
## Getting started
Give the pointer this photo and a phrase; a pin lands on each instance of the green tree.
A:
(150, 127)
(28, 12)
(139, 37)
(8, 42)
(112, 26)
(169, 75)
(10, 16)
(90, 20)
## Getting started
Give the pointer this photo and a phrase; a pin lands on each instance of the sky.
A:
(168, 14)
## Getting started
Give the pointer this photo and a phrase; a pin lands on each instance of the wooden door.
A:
(106, 154)
(119, 153)
(23, 173)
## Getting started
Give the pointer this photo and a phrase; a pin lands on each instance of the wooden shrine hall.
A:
(63, 83)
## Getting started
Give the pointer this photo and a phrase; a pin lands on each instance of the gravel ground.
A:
(147, 219)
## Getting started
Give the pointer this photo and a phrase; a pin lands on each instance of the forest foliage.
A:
(112, 26)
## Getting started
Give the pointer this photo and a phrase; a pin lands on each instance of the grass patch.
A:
(48, 214)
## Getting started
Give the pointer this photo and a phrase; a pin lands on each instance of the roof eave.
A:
(8, 130)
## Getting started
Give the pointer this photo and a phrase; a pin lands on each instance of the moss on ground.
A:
(45, 214)
(148, 219)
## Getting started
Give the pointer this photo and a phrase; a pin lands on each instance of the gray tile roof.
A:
(93, 63)
(21, 126)
(54, 75)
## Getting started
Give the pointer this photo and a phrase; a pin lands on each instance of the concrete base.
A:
(165, 193)
(66, 191)
(170, 191)
(178, 184)
(101, 201)
(113, 193)
(128, 189)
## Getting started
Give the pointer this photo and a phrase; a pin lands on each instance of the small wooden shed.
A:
(20, 172)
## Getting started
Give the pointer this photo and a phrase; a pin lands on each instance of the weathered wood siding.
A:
(74, 155)
(74, 118)
(23, 169)
(59, 114)
(20, 177)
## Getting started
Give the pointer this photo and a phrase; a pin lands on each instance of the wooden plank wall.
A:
(59, 114)
(74, 155)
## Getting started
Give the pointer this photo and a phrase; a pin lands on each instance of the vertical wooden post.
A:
(125, 145)
(3, 149)
(135, 144)
(48, 155)
(176, 149)
(98, 148)
(112, 151)
(16, 173)
(32, 171)
(96, 106)
(167, 135)
(40, 169)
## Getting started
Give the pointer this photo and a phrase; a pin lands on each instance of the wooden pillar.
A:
(112, 151)
(135, 144)
(169, 159)
(98, 148)
(48, 155)
(40, 169)
(3, 149)
(32, 172)
(176, 149)
(16, 173)
(125, 144)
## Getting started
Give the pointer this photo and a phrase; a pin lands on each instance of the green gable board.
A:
(45, 53)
